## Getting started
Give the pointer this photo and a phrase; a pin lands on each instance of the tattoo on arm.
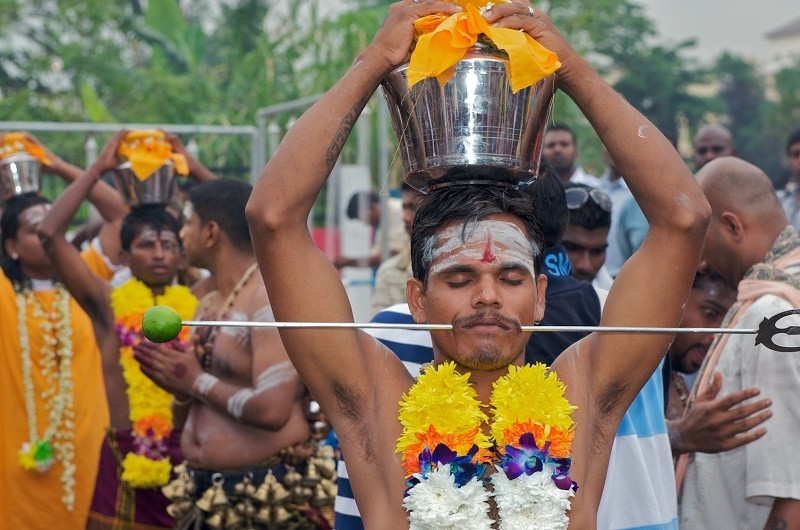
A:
(345, 127)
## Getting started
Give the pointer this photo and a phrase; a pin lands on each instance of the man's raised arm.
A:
(653, 285)
(90, 291)
(302, 283)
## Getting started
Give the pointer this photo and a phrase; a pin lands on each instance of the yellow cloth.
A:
(147, 151)
(29, 499)
(97, 263)
(443, 41)
(12, 143)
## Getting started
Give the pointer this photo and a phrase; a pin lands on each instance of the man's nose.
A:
(487, 292)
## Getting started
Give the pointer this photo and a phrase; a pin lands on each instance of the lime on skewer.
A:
(161, 323)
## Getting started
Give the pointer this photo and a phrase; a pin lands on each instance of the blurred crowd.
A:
(215, 429)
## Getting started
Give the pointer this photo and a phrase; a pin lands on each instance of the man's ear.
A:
(10, 247)
(732, 225)
(415, 295)
(541, 287)
(125, 258)
(211, 234)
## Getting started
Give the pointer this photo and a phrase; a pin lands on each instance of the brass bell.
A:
(330, 487)
(326, 452)
(205, 500)
(262, 493)
(189, 486)
(177, 509)
(233, 520)
(292, 477)
(168, 490)
(246, 508)
(241, 488)
(279, 493)
(264, 516)
(215, 521)
(321, 497)
(311, 477)
(326, 468)
(281, 515)
(219, 500)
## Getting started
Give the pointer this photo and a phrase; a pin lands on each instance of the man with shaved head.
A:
(751, 246)
(710, 142)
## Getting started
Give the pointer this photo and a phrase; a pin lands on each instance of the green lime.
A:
(161, 323)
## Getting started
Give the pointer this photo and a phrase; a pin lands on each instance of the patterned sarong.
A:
(115, 505)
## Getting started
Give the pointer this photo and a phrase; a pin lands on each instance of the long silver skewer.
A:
(381, 325)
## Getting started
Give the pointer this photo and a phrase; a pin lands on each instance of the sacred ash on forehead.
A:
(487, 240)
(33, 215)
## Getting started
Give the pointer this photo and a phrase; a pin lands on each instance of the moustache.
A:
(483, 317)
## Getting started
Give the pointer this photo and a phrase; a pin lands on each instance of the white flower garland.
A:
(531, 501)
(56, 366)
(437, 503)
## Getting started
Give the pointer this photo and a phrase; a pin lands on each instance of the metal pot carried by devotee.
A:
(155, 189)
(472, 129)
(19, 173)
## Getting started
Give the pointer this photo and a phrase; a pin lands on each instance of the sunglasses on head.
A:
(577, 197)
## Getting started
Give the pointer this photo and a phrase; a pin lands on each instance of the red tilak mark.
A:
(488, 254)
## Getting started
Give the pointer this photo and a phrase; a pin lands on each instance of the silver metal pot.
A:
(472, 129)
(155, 189)
(19, 173)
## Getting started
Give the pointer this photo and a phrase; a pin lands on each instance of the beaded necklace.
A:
(208, 334)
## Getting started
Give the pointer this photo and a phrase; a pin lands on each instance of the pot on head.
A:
(19, 173)
(473, 129)
(155, 189)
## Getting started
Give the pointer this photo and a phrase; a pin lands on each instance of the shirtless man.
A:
(150, 247)
(241, 398)
(359, 383)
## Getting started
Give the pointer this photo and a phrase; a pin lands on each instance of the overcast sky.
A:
(737, 26)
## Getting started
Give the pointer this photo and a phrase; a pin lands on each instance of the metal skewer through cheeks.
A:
(162, 324)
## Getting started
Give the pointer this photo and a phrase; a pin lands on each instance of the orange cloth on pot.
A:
(443, 41)
(17, 142)
(147, 151)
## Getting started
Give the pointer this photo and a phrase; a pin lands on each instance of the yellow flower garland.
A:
(444, 451)
(150, 405)
(442, 407)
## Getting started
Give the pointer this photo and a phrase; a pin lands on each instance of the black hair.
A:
(471, 203)
(550, 204)
(794, 137)
(589, 216)
(9, 228)
(562, 127)
(153, 216)
(703, 279)
(223, 201)
(360, 200)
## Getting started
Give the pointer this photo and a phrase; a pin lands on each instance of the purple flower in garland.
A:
(461, 467)
(149, 447)
(528, 458)
(127, 336)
